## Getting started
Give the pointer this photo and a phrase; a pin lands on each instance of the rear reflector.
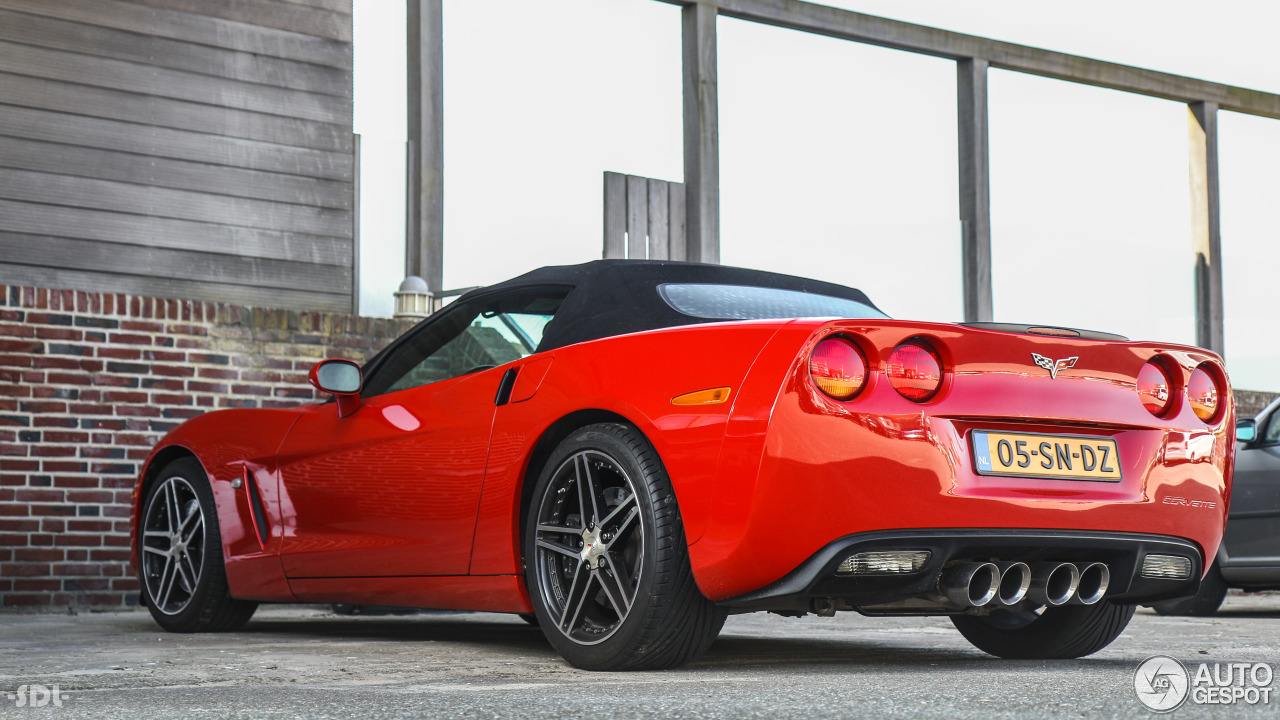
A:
(1169, 567)
(1202, 394)
(884, 562)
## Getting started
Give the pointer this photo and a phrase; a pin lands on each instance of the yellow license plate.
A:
(1063, 457)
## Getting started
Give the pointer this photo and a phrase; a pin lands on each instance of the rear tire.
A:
(180, 568)
(1064, 631)
(1213, 590)
(606, 561)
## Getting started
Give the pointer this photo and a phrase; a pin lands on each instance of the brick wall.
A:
(90, 381)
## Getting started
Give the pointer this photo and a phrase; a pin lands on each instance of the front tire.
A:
(606, 561)
(180, 567)
(1064, 631)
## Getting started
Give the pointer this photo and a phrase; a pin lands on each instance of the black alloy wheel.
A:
(606, 561)
(180, 567)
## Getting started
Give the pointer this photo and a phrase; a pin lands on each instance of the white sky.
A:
(838, 160)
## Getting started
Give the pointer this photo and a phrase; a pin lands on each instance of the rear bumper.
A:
(1123, 553)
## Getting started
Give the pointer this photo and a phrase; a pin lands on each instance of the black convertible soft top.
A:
(614, 297)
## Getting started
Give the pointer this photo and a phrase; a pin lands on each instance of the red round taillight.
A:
(1154, 389)
(914, 371)
(1202, 394)
(838, 368)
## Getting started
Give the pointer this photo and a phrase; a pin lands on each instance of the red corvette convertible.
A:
(629, 451)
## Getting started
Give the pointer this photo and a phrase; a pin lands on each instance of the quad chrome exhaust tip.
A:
(1094, 579)
(1015, 582)
(1053, 583)
(970, 584)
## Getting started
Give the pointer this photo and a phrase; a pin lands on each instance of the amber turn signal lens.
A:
(838, 368)
(1154, 389)
(914, 371)
(1202, 394)
(714, 396)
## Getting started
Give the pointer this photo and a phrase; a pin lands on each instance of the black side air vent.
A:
(255, 507)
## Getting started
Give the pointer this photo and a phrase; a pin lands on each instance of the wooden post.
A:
(975, 189)
(637, 217)
(1206, 238)
(701, 133)
(355, 224)
(424, 231)
(615, 215)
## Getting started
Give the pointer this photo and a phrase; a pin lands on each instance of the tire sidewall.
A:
(643, 481)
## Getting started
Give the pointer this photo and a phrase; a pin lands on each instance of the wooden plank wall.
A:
(198, 149)
(644, 219)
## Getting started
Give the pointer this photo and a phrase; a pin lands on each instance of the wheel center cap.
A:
(593, 547)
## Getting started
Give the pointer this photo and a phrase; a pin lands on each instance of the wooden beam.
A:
(424, 241)
(1206, 238)
(975, 189)
(701, 133)
(872, 30)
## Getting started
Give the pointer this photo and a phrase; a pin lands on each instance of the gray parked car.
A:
(1249, 557)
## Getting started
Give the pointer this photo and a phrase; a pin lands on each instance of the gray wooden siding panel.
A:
(197, 29)
(267, 13)
(177, 144)
(173, 54)
(143, 284)
(176, 174)
(51, 189)
(58, 96)
(123, 228)
(162, 82)
(181, 148)
(180, 264)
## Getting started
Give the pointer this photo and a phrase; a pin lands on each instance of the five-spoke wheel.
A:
(180, 568)
(606, 561)
(589, 546)
(172, 551)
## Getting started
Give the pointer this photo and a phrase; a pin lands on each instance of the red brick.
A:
(81, 540)
(74, 481)
(141, 326)
(26, 565)
(59, 333)
(52, 451)
(172, 371)
(20, 346)
(59, 422)
(63, 466)
(68, 379)
(55, 362)
(119, 353)
(40, 496)
(36, 585)
(129, 339)
(89, 496)
(26, 600)
(9, 330)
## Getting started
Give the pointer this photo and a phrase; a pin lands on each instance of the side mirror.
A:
(1246, 430)
(340, 378)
